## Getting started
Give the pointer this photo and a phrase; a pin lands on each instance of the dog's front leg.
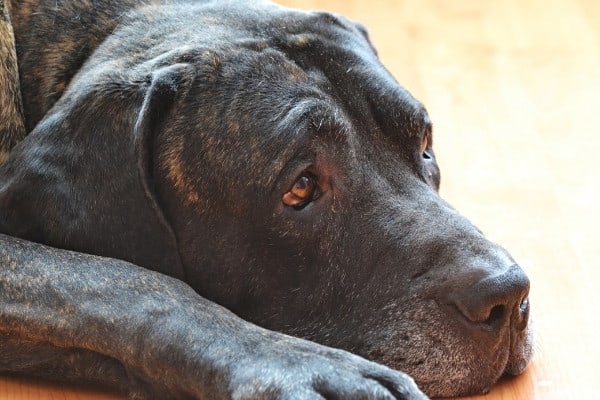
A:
(61, 364)
(87, 313)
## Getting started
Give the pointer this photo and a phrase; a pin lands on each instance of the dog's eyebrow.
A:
(313, 117)
(414, 122)
(416, 117)
(426, 124)
(328, 121)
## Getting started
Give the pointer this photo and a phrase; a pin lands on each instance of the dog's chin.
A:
(456, 380)
(478, 375)
(453, 366)
(521, 352)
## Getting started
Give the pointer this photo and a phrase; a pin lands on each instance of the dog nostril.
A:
(495, 301)
(496, 316)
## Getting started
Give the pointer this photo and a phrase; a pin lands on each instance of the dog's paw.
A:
(309, 371)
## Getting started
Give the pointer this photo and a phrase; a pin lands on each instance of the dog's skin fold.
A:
(260, 174)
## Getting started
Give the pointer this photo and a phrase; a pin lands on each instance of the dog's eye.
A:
(302, 192)
(425, 144)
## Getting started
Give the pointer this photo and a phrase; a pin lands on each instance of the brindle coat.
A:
(12, 129)
(267, 159)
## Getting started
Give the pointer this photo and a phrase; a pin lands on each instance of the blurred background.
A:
(513, 89)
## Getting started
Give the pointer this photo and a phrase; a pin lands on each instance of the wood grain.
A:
(513, 88)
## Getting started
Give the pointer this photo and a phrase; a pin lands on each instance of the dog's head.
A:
(283, 172)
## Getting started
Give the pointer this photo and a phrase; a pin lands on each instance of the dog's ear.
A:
(83, 180)
(168, 84)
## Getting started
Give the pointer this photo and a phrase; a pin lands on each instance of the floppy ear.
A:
(80, 181)
(168, 84)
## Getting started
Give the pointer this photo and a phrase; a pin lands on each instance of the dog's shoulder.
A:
(53, 41)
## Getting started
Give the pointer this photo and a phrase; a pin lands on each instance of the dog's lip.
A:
(521, 351)
(469, 380)
(515, 368)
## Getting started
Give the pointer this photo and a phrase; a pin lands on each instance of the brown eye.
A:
(302, 192)
(424, 143)
(425, 146)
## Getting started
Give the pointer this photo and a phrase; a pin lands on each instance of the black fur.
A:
(167, 136)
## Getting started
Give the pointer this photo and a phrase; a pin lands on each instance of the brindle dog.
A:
(267, 159)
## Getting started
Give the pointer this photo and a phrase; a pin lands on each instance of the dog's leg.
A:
(12, 128)
(90, 315)
(79, 314)
(60, 364)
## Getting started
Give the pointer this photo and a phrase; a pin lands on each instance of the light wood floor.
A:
(513, 88)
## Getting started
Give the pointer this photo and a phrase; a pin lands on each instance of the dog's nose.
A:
(496, 300)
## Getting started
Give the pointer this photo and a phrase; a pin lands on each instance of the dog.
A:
(234, 200)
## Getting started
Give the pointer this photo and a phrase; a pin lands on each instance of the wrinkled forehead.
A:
(319, 69)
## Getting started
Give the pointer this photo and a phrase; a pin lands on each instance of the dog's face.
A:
(301, 183)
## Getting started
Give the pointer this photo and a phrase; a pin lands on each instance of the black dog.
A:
(265, 157)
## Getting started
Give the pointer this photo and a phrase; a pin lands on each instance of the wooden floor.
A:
(513, 88)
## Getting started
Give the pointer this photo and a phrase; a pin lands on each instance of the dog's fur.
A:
(12, 129)
(263, 156)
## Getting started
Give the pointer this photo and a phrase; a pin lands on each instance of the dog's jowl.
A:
(237, 200)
